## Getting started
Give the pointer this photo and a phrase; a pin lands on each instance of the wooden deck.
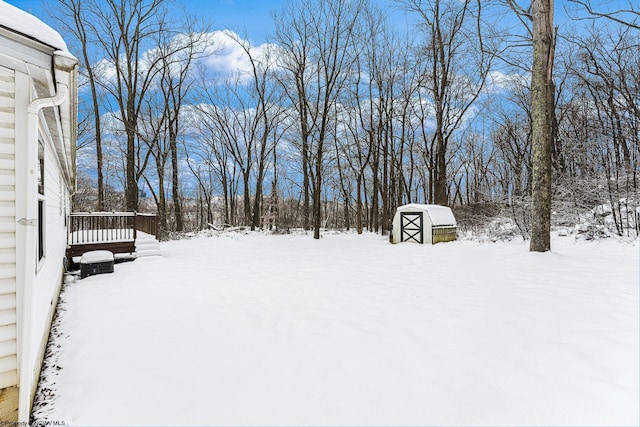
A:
(112, 231)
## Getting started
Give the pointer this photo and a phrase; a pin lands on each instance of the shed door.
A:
(411, 227)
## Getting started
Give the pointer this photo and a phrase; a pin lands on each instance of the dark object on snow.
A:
(96, 262)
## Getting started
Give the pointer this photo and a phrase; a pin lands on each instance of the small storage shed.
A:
(423, 224)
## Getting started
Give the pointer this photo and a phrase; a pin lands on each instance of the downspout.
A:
(30, 222)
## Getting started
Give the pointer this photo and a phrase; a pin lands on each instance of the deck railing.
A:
(147, 223)
(102, 227)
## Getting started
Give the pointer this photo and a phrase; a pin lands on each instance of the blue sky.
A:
(242, 16)
(253, 18)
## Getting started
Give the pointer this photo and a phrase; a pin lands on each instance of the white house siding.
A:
(48, 279)
(38, 87)
(48, 272)
(8, 347)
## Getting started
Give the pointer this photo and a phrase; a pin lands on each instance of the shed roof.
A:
(440, 215)
(28, 25)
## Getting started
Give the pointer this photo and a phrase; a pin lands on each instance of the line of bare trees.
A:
(342, 116)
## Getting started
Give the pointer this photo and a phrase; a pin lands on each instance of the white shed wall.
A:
(397, 225)
(433, 216)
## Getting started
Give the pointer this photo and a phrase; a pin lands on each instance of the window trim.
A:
(41, 206)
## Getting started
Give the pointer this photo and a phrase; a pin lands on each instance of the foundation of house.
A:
(9, 405)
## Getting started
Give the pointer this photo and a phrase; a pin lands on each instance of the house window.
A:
(41, 202)
(40, 167)
(41, 224)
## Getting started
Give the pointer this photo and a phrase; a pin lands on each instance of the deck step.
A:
(147, 244)
(148, 252)
(147, 247)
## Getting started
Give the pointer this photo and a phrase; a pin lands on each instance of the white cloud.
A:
(105, 70)
(498, 81)
(226, 57)
(222, 56)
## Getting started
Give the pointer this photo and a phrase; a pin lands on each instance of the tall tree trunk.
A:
(385, 184)
(359, 219)
(99, 158)
(175, 183)
(440, 182)
(98, 128)
(306, 211)
(225, 195)
(247, 197)
(131, 190)
(542, 114)
(162, 202)
(257, 201)
(274, 209)
(317, 197)
(375, 185)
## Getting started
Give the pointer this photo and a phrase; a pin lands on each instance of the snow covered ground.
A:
(351, 330)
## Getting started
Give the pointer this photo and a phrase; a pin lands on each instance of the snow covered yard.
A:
(351, 330)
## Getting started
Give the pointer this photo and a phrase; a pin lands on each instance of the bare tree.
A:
(543, 35)
(456, 65)
(604, 109)
(386, 63)
(178, 52)
(629, 16)
(227, 111)
(315, 37)
(152, 133)
(542, 112)
(295, 59)
(265, 119)
(124, 31)
(74, 17)
(243, 113)
(211, 162)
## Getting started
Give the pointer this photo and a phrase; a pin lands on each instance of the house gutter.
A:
(27, 370)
